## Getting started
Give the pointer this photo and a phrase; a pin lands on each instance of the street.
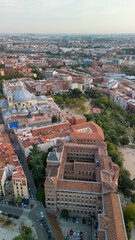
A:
(33, 215)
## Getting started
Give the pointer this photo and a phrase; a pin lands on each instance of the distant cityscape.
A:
(67, 105)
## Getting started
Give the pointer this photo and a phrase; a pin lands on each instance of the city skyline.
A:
(73, 16)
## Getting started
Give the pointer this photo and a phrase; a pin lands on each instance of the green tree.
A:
(36, 163)
(76, 91)
(24, 236)
(34, 150)
(83, 99)
(125, 182)
(133, 198)
(67, 101)
(64, 213)
(19, 200)
(58, 99)
(134, 136)
(130, 225)
(124, 140)
(89, 117)
(129, 213)
(2, 219)
(111, 147)
(40, 195)
(62, 106)
(8, 222)
(116, 157)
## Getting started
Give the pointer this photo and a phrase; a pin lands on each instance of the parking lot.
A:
(78, 228)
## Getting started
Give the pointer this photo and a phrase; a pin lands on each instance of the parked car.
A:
(50, 237)
(71, 232)
(48, 230)
(42, 214)
(81, 234)
(10, 215)
(67, 237)
(83, 221)
(74, 220)
(95, 236)
(16, 216)
(74, 233)
(77, 220)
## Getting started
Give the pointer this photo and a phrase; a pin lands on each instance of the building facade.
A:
(82, 177)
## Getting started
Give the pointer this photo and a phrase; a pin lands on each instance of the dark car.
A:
(81, 234)
(10, 215)
(44, 224)
(67, 237)
(48, 230)
(74, 220)
(16, 216)
(83, 221)
(50, 237)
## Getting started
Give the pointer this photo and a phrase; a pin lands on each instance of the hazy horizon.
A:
(67, 17)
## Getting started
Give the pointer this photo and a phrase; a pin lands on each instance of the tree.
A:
(40, 195)
(134, 136)
(64, 213)
(2, 219)
(129, 213)
(54, 119)
(28, 231)
(124, 140)
(58, 99)
(111, 147)
(19, 200)
(133, 198)
(62, 106)
(83, 99)
(130, 225)
(125, 182)
(24, 236)
(133, 184)
(116, 157)
(89, 117)
(76, 91)
(34, 150)
(120, 130)
(8, 222)
(36, 163)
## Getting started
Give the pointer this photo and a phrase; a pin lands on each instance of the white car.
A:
(42, 214)
(77, 221)
(74, 233)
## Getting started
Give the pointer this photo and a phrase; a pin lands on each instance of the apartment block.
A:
(82, 178)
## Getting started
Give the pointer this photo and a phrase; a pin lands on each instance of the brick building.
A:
(82, 178)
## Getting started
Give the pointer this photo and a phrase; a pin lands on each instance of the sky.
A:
(67, 16)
